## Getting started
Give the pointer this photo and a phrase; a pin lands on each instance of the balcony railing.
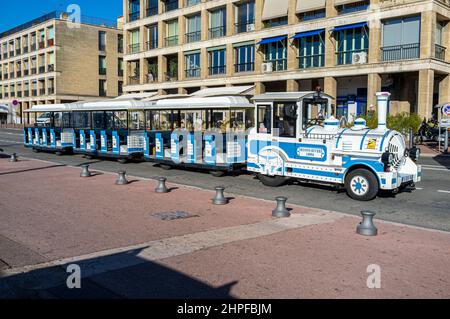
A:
(152, 44)
(134, 80)
(216, 70)
(171, 5)
(171, 41)
(439, 52)
(42, 69)
(193, 73)
(134, 48)
(51, 68)
(245, 26)
(401, 52)
(193, 36)
(217, 32)
(133, 16)
(152, 11)
(311, 61)
(278, 64)
(346, 57)
(171, 76)
(41, 44)
(102, 71)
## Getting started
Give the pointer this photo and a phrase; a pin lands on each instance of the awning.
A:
(310, 5)
(307, 34)
(350, 26)
(271, 40)
(275, 9)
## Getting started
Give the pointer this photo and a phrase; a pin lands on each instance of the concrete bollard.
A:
(162, 188)
(366, 227)
(85, 171)
(13, 158)
(281, 210)
(220, 198)
(122, 179)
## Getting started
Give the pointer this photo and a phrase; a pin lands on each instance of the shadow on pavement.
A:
(31, 169)
(123, 275)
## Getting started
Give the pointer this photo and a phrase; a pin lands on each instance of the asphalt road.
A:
(427, 206)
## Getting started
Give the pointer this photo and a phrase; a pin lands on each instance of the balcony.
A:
(13, 94)
(311, 61)
(19, 94)
(102, 71)
(247, 26)
(217, 70)
(42, 69)
(18, 51)
(26, 72)
(41, 91)
(193, 36)
(401, 52)
(171, 41)
(50, 42)
(33, 70)
(25, 49)
(193, 73)
(11, 54)
(133, 16)
(33, 47)
(5, 76)
(153, 44)
(151, 78)
(26, 93)
(171, 76)
(33, 92)
(19, 74)
(346, 57)
(134, 80)
(134, 48)
(439, 52)
(51, 91)
(171, 5)
(152, 11)
(5, 55)
(217, 32)
(278, 64)
(51, 68)
(11, 75)
(6, 94)
(41, 45)
(244, 67)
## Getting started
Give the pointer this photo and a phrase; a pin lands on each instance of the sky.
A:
(14, 13)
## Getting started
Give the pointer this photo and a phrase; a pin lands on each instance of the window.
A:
(134, 10)
(171, 5)
(218, 23)
(311, 51)
(275, 22)
(120, 43)
(51, 36)
(134, 41)
(101, 40)
(172, 33)
(192, 2)
(439, 44)
(120, 67)
(285, 118)
(245, 17)
(352, 7)
(51, 62)
(152, 8)
(264, 119)
(312, 15)
(120, 87)
(193, 27)
(245, 57)
(401, 39)
(349, 41)
(152, 37)
(192, 65)
(217, 61)
(102, 88)
(102, 65)
(275, 53)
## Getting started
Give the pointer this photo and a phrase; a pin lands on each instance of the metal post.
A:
(162, 188)
(366, 227)
(220, 198)
(122, 180)
(13, 158)
(85, 171)
(281, 210)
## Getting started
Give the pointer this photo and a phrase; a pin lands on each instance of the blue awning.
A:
(271, 40)
(307, 34)
(350, 26)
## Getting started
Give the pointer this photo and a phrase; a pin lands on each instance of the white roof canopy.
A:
(287, 96)
(136, 96)
(310, 5)
(204, 103)
(275, 9)
(228, 90)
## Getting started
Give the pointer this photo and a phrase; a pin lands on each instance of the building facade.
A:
(52, 60)
(351, 49)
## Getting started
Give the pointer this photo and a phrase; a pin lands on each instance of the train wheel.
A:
(272, 181)
(361, 185)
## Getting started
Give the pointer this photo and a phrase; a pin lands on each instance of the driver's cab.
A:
(290, 114)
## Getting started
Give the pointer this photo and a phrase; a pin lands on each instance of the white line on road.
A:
(445, 192)
(436, 169)
(9, 141)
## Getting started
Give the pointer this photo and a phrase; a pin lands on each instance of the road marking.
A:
(445, 192)
(435, 166)
(419, 188)
(9, 141)
(436, 169)
(114, 259)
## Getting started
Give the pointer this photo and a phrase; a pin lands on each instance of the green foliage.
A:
(401, 122)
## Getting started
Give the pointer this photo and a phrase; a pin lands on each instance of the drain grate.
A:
(168, 216)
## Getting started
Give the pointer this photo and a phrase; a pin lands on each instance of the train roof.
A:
(203, 103)
(287, 96)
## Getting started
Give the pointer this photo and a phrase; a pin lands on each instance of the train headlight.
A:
(414, 153)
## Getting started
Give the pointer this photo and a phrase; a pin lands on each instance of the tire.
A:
(272, 181)
(361, 185)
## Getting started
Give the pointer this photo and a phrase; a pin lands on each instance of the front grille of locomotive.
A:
(397, 148)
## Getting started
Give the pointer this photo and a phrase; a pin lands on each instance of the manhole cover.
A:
(168, 216)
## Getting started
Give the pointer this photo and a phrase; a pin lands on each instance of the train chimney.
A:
(382, 101)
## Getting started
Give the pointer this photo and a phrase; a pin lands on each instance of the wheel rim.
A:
(359, 185)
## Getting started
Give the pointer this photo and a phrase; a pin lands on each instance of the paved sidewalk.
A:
(52, 218)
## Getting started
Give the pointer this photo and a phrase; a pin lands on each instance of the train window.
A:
(220, 119)
(121, 120)
(66, 120)
(242, 120)
(137, 120)
(264, 119)
(193, 120)
(57, 119)
(98, 120)
(109, 120)
(162, 120)
(81, 120)
(149, 120)
(285, 118)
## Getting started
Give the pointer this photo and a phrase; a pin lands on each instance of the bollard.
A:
(162, 188)
(366, 227)
(13, 158)
(122, 179)
(281, 210)
(85, 171)
(220, 198)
